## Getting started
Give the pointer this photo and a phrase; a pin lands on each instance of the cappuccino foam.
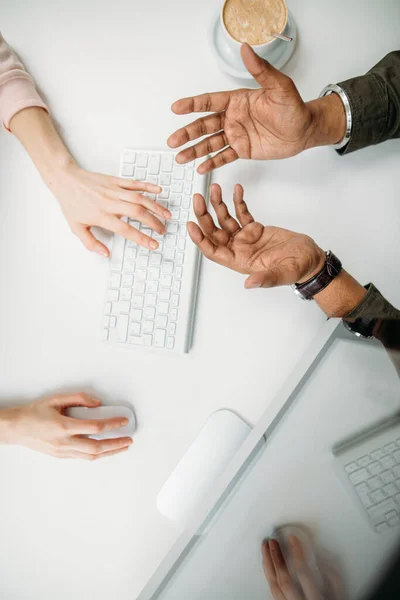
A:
(253, 21)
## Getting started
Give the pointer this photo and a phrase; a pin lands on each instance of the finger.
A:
(200, 127)
(225, 220)
(139, 186)
(219, 160)
(117, 226)
(262, 71)
(90, 242)
(284, 579)
(207, 146)
(89, 446)
(269, 571)
(93, 426)
(204, 218)
(148, 203)
(84, 456)
(219, 254)
(266, 279)
(242, 212)
(137, 212)
(303, 571)
(215, 102)
(79, 399)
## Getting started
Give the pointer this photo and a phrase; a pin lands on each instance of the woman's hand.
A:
(91, 199)
(272, 256)
(43, 426)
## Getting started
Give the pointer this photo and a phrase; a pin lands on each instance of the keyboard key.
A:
(124, 307)
(140, 174)
(387, 477)
(159, 338)
(170, 343)
(396, 471)
(155, 259)
(113, 295)
(154, 164)
(186, 202)
(184, 216)
(151, 287)
(390, 489)
(377, 496)
(173, 228)
(127, 170)
(167, 268)
(135, 328)
(166, 281)
(392, 518)
(147, 340)
(177, 187)
(181, 242)
(106, 333)
(182, 232)
(189, 174)
(130, 253)
(179, 173)
(163, 308)
(107, 308)
(179, 261)
(138, 301)
(375, 468)
(136, 315)
(378, 454)
(144, 251)
(175, 300)
(172, 331)
(141, 274)
(366, 500)
(117, 254)
(165, 294)
(174, 314)
(178, 272)
(127, 280)
(143, 261)
(134, 224)
(113, 322)
(176, 287)
(165, 179)
(154, 273)
(374, 483)
(149, 313)
(167, 161)
(150, 300)
(364, 461)
(390, 448)
(359, 476)
(175, 200)
(136, 340)
(164, 195)
(187, 189)
(148, 327)
(129, 266)
(122, 328)
(139, 288)
(169, 253)
(379, 510)
(142, 159)
(129, 156)
(175, 214)
(396, 455)
(161, 321)
(388, 462)
(106, 321)
(382, 527)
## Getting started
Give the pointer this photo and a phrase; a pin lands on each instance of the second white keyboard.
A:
(151, 295)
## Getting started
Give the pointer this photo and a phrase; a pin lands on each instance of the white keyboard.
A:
(151, 295)
(370, 466)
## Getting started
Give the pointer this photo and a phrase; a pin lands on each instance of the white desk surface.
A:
(110, 72)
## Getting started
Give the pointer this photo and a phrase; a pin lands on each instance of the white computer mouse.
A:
(106, 412)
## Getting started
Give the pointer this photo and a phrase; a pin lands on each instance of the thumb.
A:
(260, 69)
(67, 400)
(266, 279)
(91, 243)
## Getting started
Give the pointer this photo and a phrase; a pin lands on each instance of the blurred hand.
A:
(272, 256)
(267, 123)
(283, 586)
(43, 426)
(91, 199)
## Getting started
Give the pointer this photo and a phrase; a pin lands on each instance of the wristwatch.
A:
(362, 327)
(314, 285)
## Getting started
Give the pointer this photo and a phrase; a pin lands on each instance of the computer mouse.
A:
(106, 412)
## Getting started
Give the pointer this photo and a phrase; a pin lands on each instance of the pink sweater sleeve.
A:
(17, 88)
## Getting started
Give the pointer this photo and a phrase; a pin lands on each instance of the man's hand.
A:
(267, 123)
(43, 426)
(272, 256)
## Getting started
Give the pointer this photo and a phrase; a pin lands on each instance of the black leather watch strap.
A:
(321, 280)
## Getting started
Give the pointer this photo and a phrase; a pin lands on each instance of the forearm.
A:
(328, 121)
(36, 132)
(7, 421)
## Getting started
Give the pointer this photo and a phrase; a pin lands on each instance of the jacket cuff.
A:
(17, 94)
(373, 306)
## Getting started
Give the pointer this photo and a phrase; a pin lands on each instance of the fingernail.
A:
(153, 245)
(102, 252)
(124, 421)
(167, 214)
(253, 285)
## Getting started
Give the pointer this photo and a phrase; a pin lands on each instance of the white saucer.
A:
(227, 62)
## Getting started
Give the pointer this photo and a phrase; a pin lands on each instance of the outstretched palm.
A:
(272, 255)
(267, 123)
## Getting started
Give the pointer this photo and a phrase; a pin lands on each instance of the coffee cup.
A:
(253, 27)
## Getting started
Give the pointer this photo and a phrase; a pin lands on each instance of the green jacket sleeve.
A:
(375, 104)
